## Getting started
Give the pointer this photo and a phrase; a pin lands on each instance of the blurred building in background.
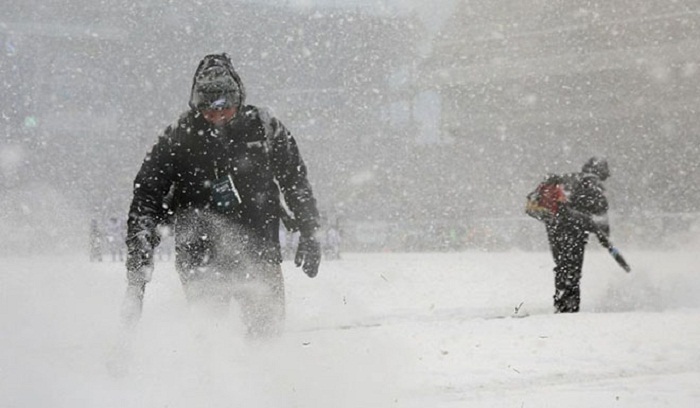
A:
(542, 85)
(424, 125)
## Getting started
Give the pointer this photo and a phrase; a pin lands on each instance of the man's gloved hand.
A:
(308, 255)
(601, 223)
(139, 272)
(139, 259)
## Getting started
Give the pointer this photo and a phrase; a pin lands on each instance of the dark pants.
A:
(567, 243)
(213, 278)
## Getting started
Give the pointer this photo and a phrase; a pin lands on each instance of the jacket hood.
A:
(216, 70)
(598, 166)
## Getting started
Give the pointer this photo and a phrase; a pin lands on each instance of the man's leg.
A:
(207, 283)
(262, 300)
(567, 250)
(567, 297)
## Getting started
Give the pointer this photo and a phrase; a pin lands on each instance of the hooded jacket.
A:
(176, 178)
(585, 209)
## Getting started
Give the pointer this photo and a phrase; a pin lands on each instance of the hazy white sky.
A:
(433, 13)
(429, 10)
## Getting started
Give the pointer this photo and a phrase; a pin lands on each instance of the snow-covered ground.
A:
(372, 330)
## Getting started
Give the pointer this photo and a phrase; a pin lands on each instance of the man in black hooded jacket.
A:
(216, 175)
(585, 211)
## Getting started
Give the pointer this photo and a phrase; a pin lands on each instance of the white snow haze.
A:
(423, 125)
(372, 330)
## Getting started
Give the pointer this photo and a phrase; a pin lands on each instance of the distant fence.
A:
(37, 233)
(634, 231)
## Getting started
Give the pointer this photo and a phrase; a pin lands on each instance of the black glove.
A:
(601, 223)
(308, 254)
(139, 259)
(139, 272)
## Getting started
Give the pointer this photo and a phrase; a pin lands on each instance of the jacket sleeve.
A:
(589, 199)
(148, 209)
(290, 172)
